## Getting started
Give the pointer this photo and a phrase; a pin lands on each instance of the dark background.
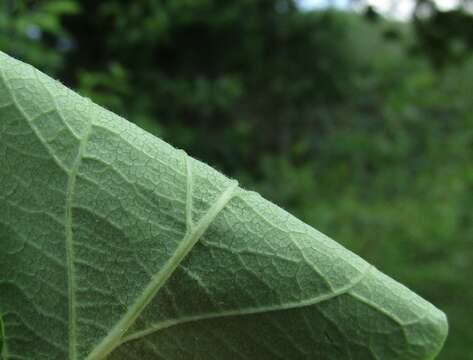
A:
(362, 126)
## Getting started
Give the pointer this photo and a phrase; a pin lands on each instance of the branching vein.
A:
(114, 338)
(254, 310)
(32, 126)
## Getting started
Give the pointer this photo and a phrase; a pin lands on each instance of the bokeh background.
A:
(356, 116)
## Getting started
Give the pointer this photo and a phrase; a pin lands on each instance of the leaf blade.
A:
(125, 209)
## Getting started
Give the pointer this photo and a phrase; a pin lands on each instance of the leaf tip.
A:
(429, 334)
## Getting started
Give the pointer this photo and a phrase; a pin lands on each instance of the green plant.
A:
(115, 244)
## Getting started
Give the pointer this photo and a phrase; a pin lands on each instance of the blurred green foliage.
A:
(361, 126)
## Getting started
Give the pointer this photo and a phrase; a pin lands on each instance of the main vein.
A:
(193, 234)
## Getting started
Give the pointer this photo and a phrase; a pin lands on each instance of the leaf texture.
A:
(116, 245)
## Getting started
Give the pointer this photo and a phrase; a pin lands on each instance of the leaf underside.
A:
(116, 245)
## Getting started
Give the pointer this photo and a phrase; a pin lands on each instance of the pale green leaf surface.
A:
(113, 243)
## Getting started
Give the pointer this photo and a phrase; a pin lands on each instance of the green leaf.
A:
(1, 338)
(113, 243)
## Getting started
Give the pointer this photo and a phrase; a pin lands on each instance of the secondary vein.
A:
(68, 203)
(71, 283)
(114, 338)
(254, 310)
(32, 126)
(71, 183)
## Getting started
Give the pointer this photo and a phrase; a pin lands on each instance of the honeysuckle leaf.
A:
(114, 244)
